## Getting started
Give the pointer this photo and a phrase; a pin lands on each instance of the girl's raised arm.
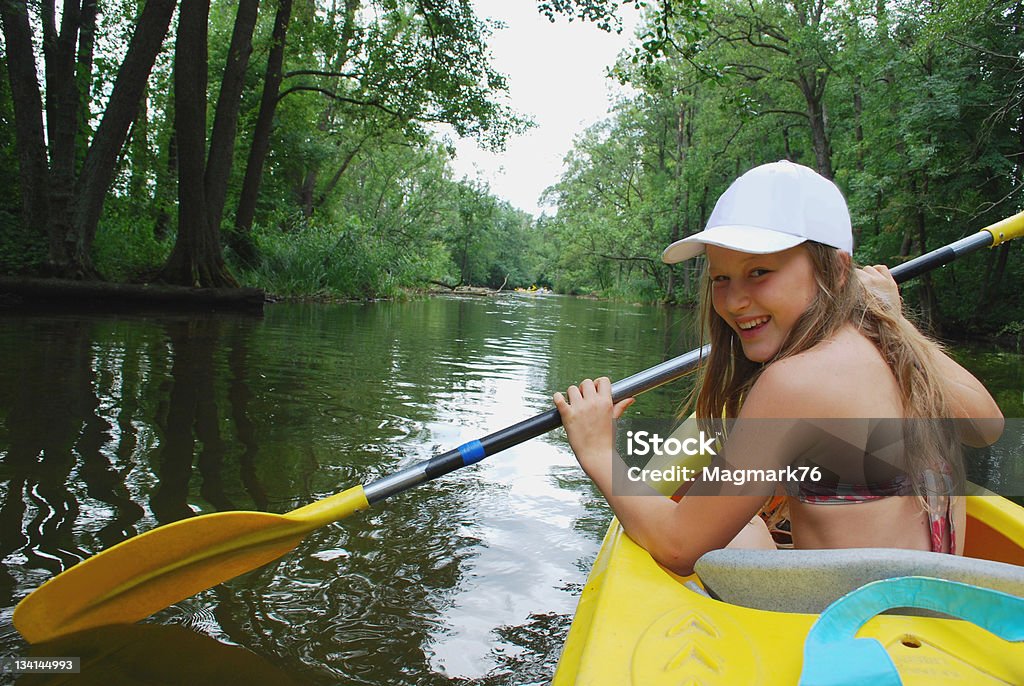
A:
(970, 400)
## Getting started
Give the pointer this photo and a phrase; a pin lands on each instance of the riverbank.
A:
(30, 292)
(18, 292)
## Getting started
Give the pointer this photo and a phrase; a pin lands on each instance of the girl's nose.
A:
(737, 299)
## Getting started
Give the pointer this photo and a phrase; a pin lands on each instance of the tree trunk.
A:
(59, 198)
(166, 188)
(814, 94)
(86, 50)
(928, 300)
(196, 259)
(995, 267)
(101, 160)
(330, 186)
(225, 122)
(678, 217)
(62, 108)
(33, 170)
(138, 141)
(241, 238)
(344, 43)
(304, 192)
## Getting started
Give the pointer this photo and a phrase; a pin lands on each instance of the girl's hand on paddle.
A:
(877, 280)
(588, 415)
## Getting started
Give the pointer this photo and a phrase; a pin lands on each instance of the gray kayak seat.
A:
(808, 581)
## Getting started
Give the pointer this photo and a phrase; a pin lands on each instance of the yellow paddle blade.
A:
(1007, 229)
(154, 570)
(151, 571)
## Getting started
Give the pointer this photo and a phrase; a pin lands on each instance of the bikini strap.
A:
(939, 500)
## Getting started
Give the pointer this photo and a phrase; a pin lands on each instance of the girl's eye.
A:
(719, 279)
(758, 272)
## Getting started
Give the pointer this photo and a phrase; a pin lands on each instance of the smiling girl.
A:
(816, 363)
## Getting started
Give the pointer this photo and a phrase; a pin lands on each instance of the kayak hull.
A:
(638, 623)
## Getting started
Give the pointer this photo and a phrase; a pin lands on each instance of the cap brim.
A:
(748, 239)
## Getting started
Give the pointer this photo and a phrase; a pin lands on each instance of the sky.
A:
(556, 75)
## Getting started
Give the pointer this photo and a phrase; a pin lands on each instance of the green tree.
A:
(406, 63)
(66, 174)
(916, 111)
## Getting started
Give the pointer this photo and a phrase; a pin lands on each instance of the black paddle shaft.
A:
(660, 374)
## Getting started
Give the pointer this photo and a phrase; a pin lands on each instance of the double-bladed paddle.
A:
(156, 569)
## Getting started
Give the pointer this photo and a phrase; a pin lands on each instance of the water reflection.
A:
(110, 426)
(204, 394)
(141, 655)
(49, 418)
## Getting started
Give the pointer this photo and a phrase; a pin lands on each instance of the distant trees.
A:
(915, 110)
(350, 78)
(320, 167)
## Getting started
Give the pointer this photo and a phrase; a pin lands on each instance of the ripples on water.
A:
(113, 425)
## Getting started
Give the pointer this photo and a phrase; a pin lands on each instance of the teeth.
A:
(752, 323)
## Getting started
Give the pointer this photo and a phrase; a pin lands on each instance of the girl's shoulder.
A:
(846, 351)
(841, 377)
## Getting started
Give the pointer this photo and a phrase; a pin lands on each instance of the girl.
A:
(798, 333)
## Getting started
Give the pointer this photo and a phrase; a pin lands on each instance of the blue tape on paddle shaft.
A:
(472, 452)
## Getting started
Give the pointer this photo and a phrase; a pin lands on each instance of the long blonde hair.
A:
(725, 377)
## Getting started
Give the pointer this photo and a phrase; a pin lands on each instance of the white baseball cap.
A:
(771, 208)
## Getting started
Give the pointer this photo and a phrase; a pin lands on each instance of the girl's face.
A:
(761, 296)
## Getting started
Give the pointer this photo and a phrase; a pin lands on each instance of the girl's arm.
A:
(675, 534)
(969, 397)
(982, 421)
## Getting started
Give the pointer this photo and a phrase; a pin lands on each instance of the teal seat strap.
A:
(834, 657)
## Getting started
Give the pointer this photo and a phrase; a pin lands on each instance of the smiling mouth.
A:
(752, 325)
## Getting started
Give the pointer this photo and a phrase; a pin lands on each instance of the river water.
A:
(111, 425)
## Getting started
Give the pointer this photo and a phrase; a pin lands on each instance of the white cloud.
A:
(556, 75)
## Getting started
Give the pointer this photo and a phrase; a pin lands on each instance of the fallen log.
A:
(18, 290)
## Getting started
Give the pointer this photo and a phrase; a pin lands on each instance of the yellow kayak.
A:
(638, 623)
